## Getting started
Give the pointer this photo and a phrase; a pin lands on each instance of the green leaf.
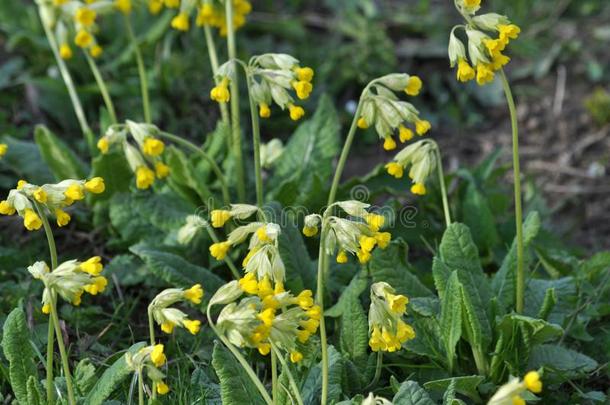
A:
(84, 376)
(568, 362)
(175, 270)
(312, 388)
(353, 290)
(550, 299)
(204, 388)
(236, 388)
(115, 171)
(354, 331)
(35, 395)
(308, 157)
(24, 159)
(479, 218)
(451, 317)
(111, 378)
(18, 352)
(186, 176)
(62, 161)
(465, 385)
(390, 265)
(410, 393)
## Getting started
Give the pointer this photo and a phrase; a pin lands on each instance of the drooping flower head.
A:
(420, 156)
(382, 109)
(510, 393)
(387, 328)
(487, 37)
(52, 200)
(148, 360)
(168, 318)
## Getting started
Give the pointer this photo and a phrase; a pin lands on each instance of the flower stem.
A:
(141, 388)
(322, 264)
(377, 375)
(286, 368)
(62, 350)
(102, 86)
(520, 287)
(151, 332)
(51, 331)
(67, 78)
(274, 376)
(141, 71)
(242, 361)
(236, 130)
(191, 146)
(441, 180)
(227, 259)
(224, 111)
(256, 141)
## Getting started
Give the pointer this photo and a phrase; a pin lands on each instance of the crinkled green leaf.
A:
(312, 388)
(465, 385)
(354, 330)
(410, 393)
(236, 388)
(451, 317)
(566, 361)
(62, 161)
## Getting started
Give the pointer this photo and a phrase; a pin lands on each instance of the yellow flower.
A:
(181, 22)
(414, 85)
(397, 303)
(485, 73)
(296, 112)
(304, 74)
(267, 316)
(21, 184)
(205, 16)
(310, 325)
(363, 256)
(221, 93)
(303, 335)
(264, 111)
(418, 189)
(389, 143)
(507, 32)
(155, 6)
(465, 72)
(404, 332)
(124, 6)
(162, 388)
(161, 170)
(296, 356)
(103, 145)
(220, 217)
(171, 3)
(249, 284)
(167, 327)
(31, 220)
(265, 288)
(303, 89)
(383, 239)
(192, 326)
(472, 3)
(310, 231)
(375, 221)
(367, 243)
(157, 356)
(95, 185)
(96, 51)
(342, 257)
(3, 149)
(532, 382)
(219, 250)
(153, 147)
(194, 294)
(92, 266)
(304, 299)
(6, 208)
(46, 309)
(58, 3)
(144, 177)
(65, 52)
(494, 46)
(517, 400)
(315, 312)
(74, 192)
(375, 341)
(76, 301)
(362, 124)
(422, 126)
(499, 60)
(83, 39)
(264, 348)
(279, 288)
(85, 16)
(395, 169)
(40, 195)
(63, 218)
(404, 134)
(99, 285)
(261, 233)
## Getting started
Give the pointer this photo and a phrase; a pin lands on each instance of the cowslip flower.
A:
(510, 393)
(3, 149)
(381, 108)
(387, 329)
(168, 318)
(51, 198)
(420, 156)
(484, 56)
(149, 359)
(69, 280)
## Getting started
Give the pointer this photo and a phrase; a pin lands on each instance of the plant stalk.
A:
(62, 351)
(322, 265)
(224, 111)
(151, 332)
(377, 375)
(520, 287)
(286, 368)
(256, 141)
(441, 180)
(236, 130)
(141, 387)
(141, 71)
(101, 84)
(274, 392)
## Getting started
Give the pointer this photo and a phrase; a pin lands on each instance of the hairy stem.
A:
(224, 111)
(141, 387)
(322, 265)
(377, 375)
(151, 332)
(141, 71)
(520, 287)
(101, 84)
(274, 376)
(62, 351)
(236, 130)
(286, 368)
(441, 180)
(256, 141)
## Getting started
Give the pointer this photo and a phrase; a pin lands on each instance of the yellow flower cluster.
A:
(358, 236)
(169, 318)
(3, 149)
(150, 359)
(510, 393)
(51, 198)
(485, 55)
(146, 160)
(381, 108)
(421, 157)
(388, 331)
(84, 24)
(69, 280)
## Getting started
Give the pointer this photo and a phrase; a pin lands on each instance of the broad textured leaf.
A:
(111, 378)
(35, 393)
(175, 270)
(84, 376)
(24, 159)
(18, 352)
(451, 316)
(183, 173)
(62, 161)
(540, 330)
(390, 265)
(410, 393)
(466, 385)
(204, 389)
(479, 218)
(236, 388)
(354, 331)
(565, 293)
(353, 290)
(115, 171)
(566, 361)
(312, 388)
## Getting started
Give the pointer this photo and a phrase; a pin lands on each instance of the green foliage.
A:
(354, 331)
(63, 161)
(410, 393)
(451, 317)
(235, 386)
(312, 387)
